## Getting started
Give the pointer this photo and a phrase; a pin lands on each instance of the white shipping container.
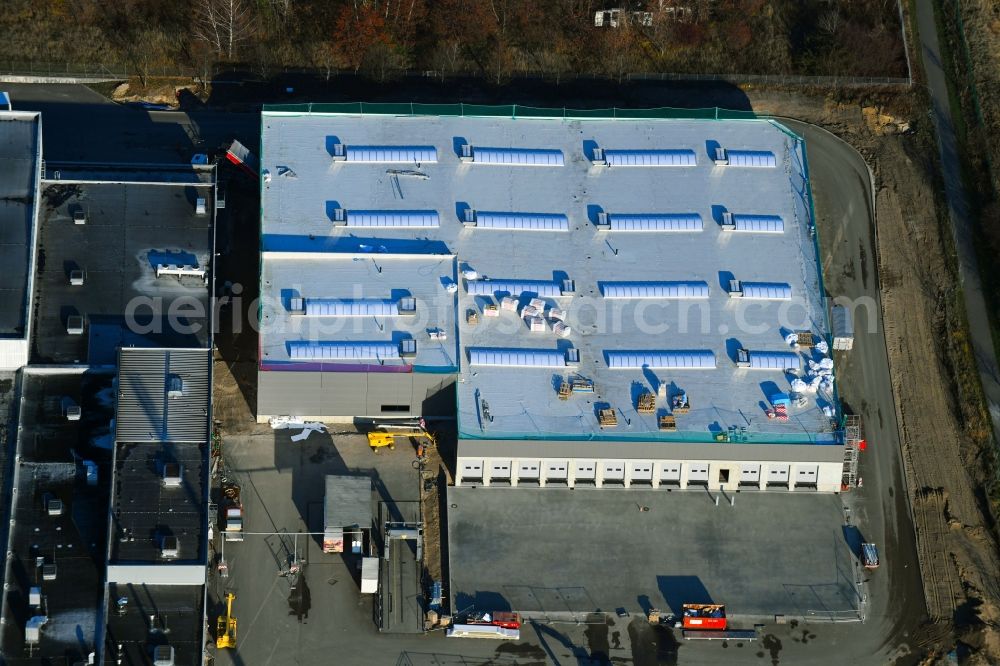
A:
(369, 575)
(843, 328)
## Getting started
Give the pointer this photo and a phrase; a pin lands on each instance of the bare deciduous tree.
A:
(223, 24)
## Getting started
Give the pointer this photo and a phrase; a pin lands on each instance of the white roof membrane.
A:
(518, 156)
(667, 158)
(519, 358)
(751, 158)
(522, 221)
(654, 289)
(655, 222)
(393, 218)
(391, 154)
(341, 351)
(667, 360)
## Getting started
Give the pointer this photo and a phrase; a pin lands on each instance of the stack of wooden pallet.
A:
(668, 422)
(565, 390)
(608, 418)
(647, 403)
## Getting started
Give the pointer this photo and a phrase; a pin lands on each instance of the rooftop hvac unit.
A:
(598, 157)
(339, 152)
(466, 155)
(572, 357)
(74, 325)
(742, 358)
(199, 206)
(340, 217)
(735, 289)
(603, 220)
(408, 305)
(35, 597)
(49, 571)
(80, 216)
(163, 655)
(170, 547)
(469, 217)
(720, 156)
(297, 305)
(76, 278)
(568, 287)
(33, 629)
(73, 412)
(728, 224)
(175, 386)
(408, 348)
(53, 506)
(172, 475)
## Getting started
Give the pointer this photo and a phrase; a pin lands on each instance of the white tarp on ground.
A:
(289, 422)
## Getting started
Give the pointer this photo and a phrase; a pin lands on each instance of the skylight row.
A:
(655, 222)
(517, 358)
(392, 154)
(393, 218)
(661, 158)
(654, 289)
(342, 351)
(666, 360)
(751, 158)
(767, 291)
(362, 307)
(542, 288)
(521, 221)
(772, 224)
(516, 156)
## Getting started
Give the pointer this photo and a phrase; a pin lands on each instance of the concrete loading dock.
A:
(558, 554)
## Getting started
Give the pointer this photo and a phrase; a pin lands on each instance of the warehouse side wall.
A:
(346, 396)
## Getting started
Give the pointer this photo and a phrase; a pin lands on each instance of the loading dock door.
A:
(472, 470)
(500, 470)
(777, 475)
(698, 473)
(641, 472)
(614, 471)
(556, 471)
(527, 470)
(806, 475)
(585, 471)
(750, 474)
(670, 472)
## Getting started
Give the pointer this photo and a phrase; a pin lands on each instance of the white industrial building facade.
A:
(598, 302)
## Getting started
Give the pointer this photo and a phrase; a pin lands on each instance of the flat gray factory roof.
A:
(395, 207)
(144, 510)
(368, 287)
(20, 143)
(558, 552)
(348, 501)
(178, 611)
(164, 395)
(130, 228)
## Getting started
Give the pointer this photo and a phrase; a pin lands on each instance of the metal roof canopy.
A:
(145, 411)
(348, 501)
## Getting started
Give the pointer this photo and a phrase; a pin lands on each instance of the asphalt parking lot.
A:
(554, 553)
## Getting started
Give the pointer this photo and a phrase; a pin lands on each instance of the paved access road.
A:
(958, 210)
(79, 124)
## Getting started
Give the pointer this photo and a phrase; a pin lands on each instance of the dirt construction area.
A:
(943, 429)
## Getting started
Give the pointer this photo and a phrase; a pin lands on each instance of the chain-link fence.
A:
(120, 71)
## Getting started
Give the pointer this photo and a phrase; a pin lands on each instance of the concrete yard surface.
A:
(550, 553)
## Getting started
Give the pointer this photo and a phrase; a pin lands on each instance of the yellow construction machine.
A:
(378, 439)
(225, 628)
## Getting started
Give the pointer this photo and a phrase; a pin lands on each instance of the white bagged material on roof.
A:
(536, 324)
(529, 311)
(561, 329)
(470, 274)
(792, 340)
(822, 347)
(508, 303)
(829, 411)
(537, 303)
(799, 385)
(555, 314)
